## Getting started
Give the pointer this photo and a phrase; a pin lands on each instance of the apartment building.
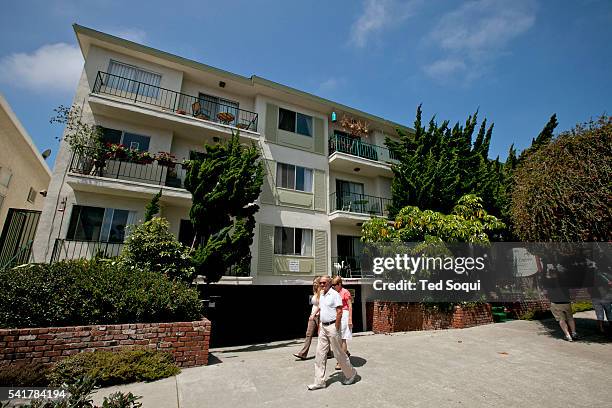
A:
(24, 177)
(322, 182)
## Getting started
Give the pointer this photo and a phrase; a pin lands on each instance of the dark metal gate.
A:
(17, 237)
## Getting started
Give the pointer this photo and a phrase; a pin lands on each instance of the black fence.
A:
(359, 203)
(99, 162)
(18, 236)
(68, 249)
(359, 148)
(183, 104)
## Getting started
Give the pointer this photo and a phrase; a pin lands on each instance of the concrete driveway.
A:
(513, 364)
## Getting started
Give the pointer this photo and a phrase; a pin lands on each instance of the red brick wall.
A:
(187, 341)
(519, 308)
(389, 317)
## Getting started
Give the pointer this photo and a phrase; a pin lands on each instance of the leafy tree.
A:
(78, 134)
(439, 164)
(225, 181)
(152, 208)
(152, 246)
(468, 222)
(562, 191)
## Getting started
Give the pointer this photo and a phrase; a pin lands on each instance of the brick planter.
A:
(187, 341)
(389, 317)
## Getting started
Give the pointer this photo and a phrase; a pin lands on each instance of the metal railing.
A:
(99, 162)
(68, 249)
(356, 147)
(350, 267)
(359, 203)
(22, 256)
(174, 101)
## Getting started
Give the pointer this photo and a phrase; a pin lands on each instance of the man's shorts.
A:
(561, 311)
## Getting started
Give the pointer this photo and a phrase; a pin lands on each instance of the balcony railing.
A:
(97, 162)
(359, 203)
(356, 147)
(350, 267)
(64, 249)
(141, 92)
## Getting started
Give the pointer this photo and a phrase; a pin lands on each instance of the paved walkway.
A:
(513, 364)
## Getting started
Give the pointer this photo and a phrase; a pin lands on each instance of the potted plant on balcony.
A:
(181, 111)
(116, 151)
(166, 159)
(139, 157)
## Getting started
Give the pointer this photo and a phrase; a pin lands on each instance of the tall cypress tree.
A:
(225, 181)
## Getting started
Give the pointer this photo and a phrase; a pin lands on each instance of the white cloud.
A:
(444, 68)
(52, 67)
(133, 34)
(331, 84)
(477, 32)
(378, 15)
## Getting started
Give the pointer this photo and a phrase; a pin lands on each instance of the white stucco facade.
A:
(180, 131)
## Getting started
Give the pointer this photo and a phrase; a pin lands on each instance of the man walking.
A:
(330, 314)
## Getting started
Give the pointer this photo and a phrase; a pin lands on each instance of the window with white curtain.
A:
(294, 177)
(292, 241)
(132, 79)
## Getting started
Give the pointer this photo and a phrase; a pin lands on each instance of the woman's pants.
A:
(310, 332)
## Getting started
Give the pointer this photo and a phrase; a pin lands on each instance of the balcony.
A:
(353, 206)
(347, 153)
(350, 267)
(65, 249)
(99, 163)
(169, 101)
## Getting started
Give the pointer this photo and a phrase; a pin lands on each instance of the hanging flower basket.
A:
(166, 159)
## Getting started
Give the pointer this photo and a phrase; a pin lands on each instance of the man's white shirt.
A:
(328, 302)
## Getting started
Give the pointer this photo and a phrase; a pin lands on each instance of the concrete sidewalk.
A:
(513, 364)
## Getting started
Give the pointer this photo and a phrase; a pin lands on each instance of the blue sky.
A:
(517, 61)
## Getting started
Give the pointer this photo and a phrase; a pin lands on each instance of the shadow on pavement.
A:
(586, 329)
(258, 347)
(212, 360)
(358, 361)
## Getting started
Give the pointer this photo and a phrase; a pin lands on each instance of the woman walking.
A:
(346, 326)
(313, 319)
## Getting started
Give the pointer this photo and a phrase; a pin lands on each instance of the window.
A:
(212, 105)
(292, 241)
(32, 195)
(294, 122)
(98, 224)
(132, 79)
(130, 140)
(5, 176)
(294, 177)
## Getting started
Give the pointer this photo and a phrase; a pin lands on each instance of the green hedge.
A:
(112, 368)
(71, 293)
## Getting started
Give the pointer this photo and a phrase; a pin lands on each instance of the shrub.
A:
(151, 245)
(581, 306)
(562, 191)
(81, 292)
(33, 375)
(111, 368)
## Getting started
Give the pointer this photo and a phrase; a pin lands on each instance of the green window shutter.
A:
(320, 188)
(320, 252)
(319, 135)
(267, 190)
(271, 122)
(265, 261)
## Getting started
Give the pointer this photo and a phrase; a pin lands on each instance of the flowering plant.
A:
(116, 151)
(141, 157)
(166, 159)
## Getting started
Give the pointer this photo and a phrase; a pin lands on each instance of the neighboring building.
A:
(321, 183)
(24, 175)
